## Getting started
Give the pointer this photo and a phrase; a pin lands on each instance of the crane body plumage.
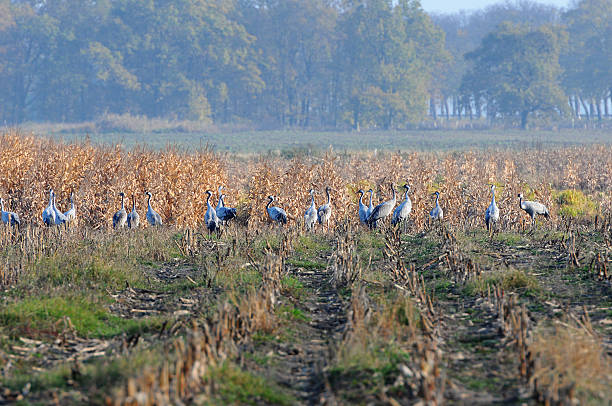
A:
(533, 208)
(324, 212)
(363, 209)
(48, 214)
(275, 213)
(382, 210)
(8, 217)
(310, 216)
(71, 214)
(133, 218)
(210, 218)
(153, 217)
(370, 205)
(224, 214)
(59, 216)
(120, 217)
(437, 213)
(402, 211)
(492, 212)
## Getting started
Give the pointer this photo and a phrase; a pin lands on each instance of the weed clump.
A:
(574, 203)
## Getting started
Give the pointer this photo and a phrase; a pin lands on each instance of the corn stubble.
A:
(178, 181)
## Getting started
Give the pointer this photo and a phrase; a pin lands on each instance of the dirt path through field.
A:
(301, 366)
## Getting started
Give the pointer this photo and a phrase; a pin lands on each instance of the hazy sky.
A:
(450, 6)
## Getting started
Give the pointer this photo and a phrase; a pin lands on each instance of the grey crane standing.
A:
(224, 214)
(310, 216)
(492, 212)
(153, 217)
(133, 218)
(275, 213)
(363, 209)
(382, 210)
(71, 214)
(324, 212)
(437, 213)
(370, 206)
(48, 214)
(210, 218)
(401, 212)
(59, 216)
(533, 209)
(120, 216)
(8, 217)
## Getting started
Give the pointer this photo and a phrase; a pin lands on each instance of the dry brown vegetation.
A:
(431, 314)
(179, 180)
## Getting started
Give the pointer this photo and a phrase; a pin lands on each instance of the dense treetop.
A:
(295, 63)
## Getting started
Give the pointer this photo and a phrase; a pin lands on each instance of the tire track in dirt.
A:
(305, 360)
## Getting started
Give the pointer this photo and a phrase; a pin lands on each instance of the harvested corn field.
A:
(251, 311)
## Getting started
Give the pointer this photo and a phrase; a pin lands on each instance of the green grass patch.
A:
(292, 286)
(306, 264)
(311, 246)
(291, 313)
(235, 386)
(44, 316)
(573, 204)
(512, 280)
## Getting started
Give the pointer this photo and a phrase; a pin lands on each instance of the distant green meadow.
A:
(290, 143)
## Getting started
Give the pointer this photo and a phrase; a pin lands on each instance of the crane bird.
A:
(382, 210)
(71, 214)
(437, 213)
(533, 208)
(153, 217)
(120, 216)
(48, 214)
(133, 218)
(275, 213)
(324, 212)
(8, 217)
(492, 212)
(224, 214)
(59, 216)
(310, 216)
(370, 206)
(363, 209)
(401, 212)
(210, 218)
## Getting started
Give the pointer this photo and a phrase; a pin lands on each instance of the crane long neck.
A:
(122, 202)
(493, 197)
(2, 204)
(71, 202)
(133, 203)
(312, 202)
(50, 199)
(269, 201)
(149, 201)
(406, 195)
(328, 196)
(371, 196)
(393, 191)
(361, 199)
(437, 199)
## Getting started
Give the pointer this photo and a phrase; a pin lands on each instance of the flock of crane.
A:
(371, 215)
(217, 216)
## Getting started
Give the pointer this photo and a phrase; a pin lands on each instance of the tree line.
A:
(302, 63)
